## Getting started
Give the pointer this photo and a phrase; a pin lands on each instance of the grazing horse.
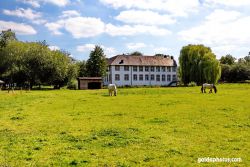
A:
(112, 88)
(208, 86)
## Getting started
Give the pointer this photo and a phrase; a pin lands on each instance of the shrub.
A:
(192, 84)
(72, 85)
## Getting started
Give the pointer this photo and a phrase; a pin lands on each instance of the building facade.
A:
(141, 70)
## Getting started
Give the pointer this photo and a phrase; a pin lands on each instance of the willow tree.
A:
(198, 64)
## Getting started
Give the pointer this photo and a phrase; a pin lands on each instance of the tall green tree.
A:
(82, 69)
(11, 62)
(247, 59)
(228, 59)
(198, 64)
(60, 66)
(6, 36)
(136, 53)
(96, 64)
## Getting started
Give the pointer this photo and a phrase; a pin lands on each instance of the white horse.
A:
(112, 88)
(208, 86)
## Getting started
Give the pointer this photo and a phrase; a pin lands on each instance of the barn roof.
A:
(90, 78)
(142, 60)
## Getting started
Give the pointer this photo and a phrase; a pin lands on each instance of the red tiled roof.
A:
(90, 78)
(142, 60)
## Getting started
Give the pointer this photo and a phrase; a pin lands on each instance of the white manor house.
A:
(141, 70)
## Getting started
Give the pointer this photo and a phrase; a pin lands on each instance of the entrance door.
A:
(94, 85)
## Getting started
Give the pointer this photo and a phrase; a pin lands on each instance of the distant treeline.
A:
(29, 64)
(235, 71)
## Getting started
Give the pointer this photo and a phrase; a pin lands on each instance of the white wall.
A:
(122, 82)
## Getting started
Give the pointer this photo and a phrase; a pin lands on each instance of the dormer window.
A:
(121, 62)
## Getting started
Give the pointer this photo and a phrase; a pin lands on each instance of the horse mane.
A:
(215, 89)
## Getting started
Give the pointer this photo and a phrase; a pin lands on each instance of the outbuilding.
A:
(1, 84)
(90, 83)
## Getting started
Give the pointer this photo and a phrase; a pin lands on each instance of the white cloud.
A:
(220, 15)
(144, 17)
(33, 16)
(83, 27)
(39, 21)
(55, 27)
(133, 46)
(174, 7)
(70, 13)
(79, 27)
(54, 47)
(33, 3)
(85, 48)
(25, 13)
(108, 51)
(18, 28)
(58, 2)
(229, 3)
(235, 50)
(37, 3)
(161, 50)
(221, 30)
(127, 30)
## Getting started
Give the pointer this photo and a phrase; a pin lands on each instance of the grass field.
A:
(139, 127)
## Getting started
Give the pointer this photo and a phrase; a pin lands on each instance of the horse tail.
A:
(202, 89)
(215, 89)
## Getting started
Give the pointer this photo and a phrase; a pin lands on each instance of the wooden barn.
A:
(90, 83)
(1, 84)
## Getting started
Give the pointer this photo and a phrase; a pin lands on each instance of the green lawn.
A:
(139, 127)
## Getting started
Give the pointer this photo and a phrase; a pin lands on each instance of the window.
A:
(168, 69)
(157, 69)
(174, 69)
(146, 77)
(126, 68)
(152, 68)
(163, 69)
(163, 77)
(169, 77)
(135, 77)
(141, 77)
(134, 68)
(140, 68)
(158, 78)
(126, 77)
(152, 77)
(146, 68)
(117, 77)
(174, 77)
(117, 68)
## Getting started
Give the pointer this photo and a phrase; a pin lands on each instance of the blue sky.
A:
(124, 26)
